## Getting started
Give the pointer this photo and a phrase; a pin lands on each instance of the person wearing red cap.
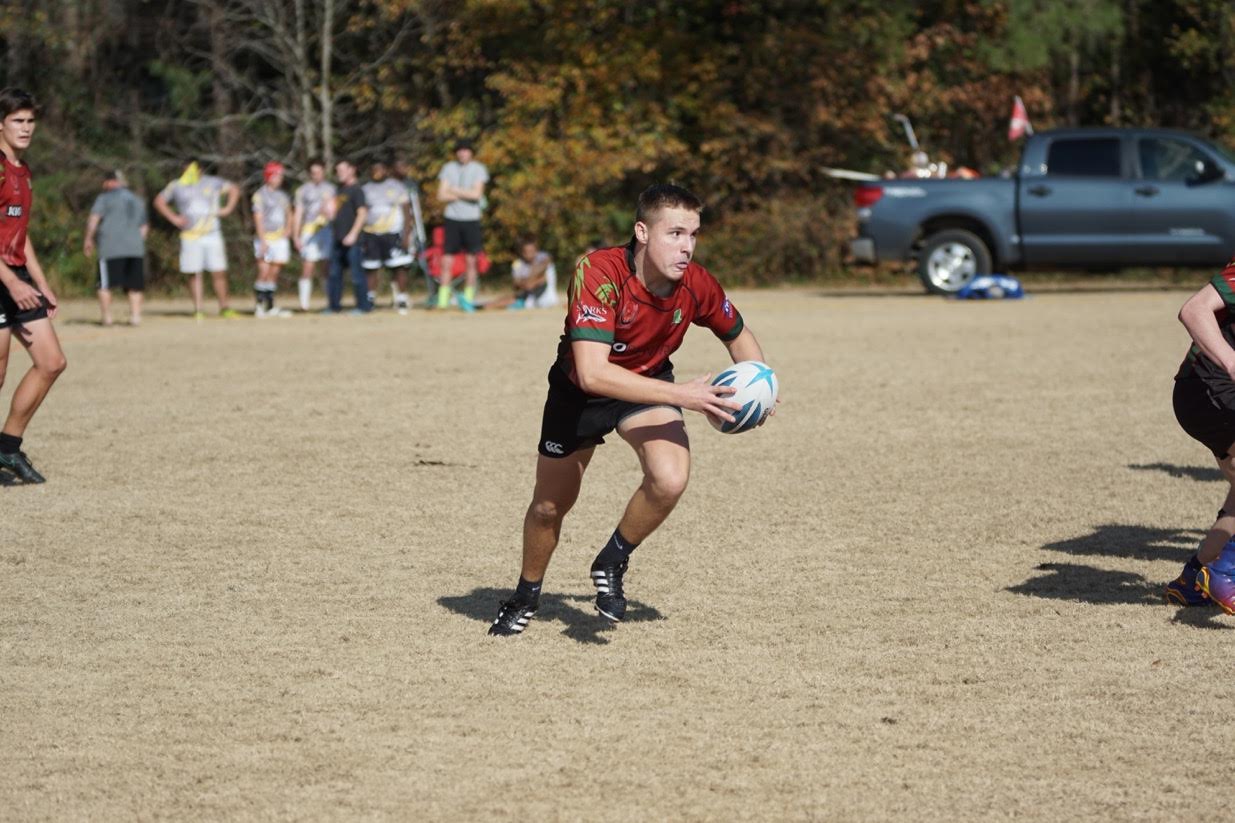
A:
(272, 212)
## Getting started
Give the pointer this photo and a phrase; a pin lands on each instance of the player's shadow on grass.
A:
(1198, 473)
(1086, 584)
(574, 611)
(1137, 542)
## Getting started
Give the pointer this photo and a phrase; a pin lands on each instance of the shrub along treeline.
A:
(576, 105)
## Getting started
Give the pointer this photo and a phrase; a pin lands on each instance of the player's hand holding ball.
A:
(756, 391)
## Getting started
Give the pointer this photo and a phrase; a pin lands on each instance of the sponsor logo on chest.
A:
(13, 211)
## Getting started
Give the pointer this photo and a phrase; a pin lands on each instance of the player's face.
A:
(345, 172)
(464, 156)
(378, 172)
(17, 129)
(317, 172)
(276, 180)
(528, 252)
(670, 237)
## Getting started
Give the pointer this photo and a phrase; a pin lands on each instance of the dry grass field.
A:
(257, 583)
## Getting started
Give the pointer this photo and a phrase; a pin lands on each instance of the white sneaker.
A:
(278, 312)
(260, 311)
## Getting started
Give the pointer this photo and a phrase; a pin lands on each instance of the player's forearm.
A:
(745, 347)
(297, 222)
(361, 215)
(35, 268)
(1202, 326)
(8, 277)
(160, 205)
(609, 380)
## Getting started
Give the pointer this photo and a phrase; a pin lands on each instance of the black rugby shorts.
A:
(576, 420)
(463, 236)
(13, 315)
(1203, 416)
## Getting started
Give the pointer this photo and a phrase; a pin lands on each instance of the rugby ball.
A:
(756, 390)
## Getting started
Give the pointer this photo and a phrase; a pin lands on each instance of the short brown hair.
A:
(15, 100)
(664, 196)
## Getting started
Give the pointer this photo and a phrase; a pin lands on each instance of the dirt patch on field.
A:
(257, 583)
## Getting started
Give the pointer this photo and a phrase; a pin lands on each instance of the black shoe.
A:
(610, 601)
(513, 617)
(19, 464)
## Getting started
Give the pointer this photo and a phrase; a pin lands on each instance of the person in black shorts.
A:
(118, 224)
(1204, 400)
(27, 303)
(629, 308)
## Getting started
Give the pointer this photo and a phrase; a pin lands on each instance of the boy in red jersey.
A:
(27, 303)
(628, 310)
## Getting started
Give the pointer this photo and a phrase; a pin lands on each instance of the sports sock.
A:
(615, 551)
(528, 591)
(9, 444)
(469, 294)
(443, 296)
(306, 291)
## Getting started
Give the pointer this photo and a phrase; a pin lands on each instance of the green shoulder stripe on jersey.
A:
(736, 330)
(1224, 289)
(599, 335)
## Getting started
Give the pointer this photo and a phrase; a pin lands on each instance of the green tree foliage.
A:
(576, 105)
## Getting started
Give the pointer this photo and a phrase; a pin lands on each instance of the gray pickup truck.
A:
(1101, 198)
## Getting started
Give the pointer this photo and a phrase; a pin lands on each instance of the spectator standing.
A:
(311, 227)
(117, 229)
(387, 233)
(461, 186)
(191, 204)
(347, 217)
(272, 213)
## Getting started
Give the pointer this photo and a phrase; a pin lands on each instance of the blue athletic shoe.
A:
(1185, 590)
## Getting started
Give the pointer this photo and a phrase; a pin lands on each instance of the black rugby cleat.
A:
(19, 464)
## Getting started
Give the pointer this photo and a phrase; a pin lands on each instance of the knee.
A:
(667, 486)
(54, 366)
(548, 512)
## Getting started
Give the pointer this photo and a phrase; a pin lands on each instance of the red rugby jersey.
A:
(16, 194)
(608, 303)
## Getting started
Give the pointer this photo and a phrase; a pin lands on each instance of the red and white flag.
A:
(1018, 123)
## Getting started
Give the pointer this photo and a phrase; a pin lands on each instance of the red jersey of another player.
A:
(609, 304)
(16, 194)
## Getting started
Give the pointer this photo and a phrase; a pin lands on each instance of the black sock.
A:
(615, 551)
(528, 591)
(9, 444)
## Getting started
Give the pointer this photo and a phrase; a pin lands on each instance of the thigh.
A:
(453, 243)
(473, 238)
(658, 436)
(214, 254)
(1204, 416)
(192, 256)
(558, 478)
(41, 342)
(106, 272)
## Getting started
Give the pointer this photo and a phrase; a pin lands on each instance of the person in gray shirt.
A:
(461, 186)
(116, 229)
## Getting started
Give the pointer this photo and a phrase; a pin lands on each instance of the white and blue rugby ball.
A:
(756, 390)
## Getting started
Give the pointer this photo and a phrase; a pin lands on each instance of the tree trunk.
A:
(220, 94)
(1074, 83)
(303, 73)
(327, 103)
(1116, 91)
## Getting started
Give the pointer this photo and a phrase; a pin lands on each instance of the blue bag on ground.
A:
(991, 287)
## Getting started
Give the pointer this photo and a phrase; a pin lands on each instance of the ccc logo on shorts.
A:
(554, 448)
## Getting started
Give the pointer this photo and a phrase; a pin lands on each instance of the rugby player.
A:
(272, 245)
(311, 227)
(387, 233)
(1204, 401)
(196, 213)
(27, 303)
(628, 310)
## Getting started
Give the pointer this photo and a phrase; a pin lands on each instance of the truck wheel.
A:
(950, 259)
